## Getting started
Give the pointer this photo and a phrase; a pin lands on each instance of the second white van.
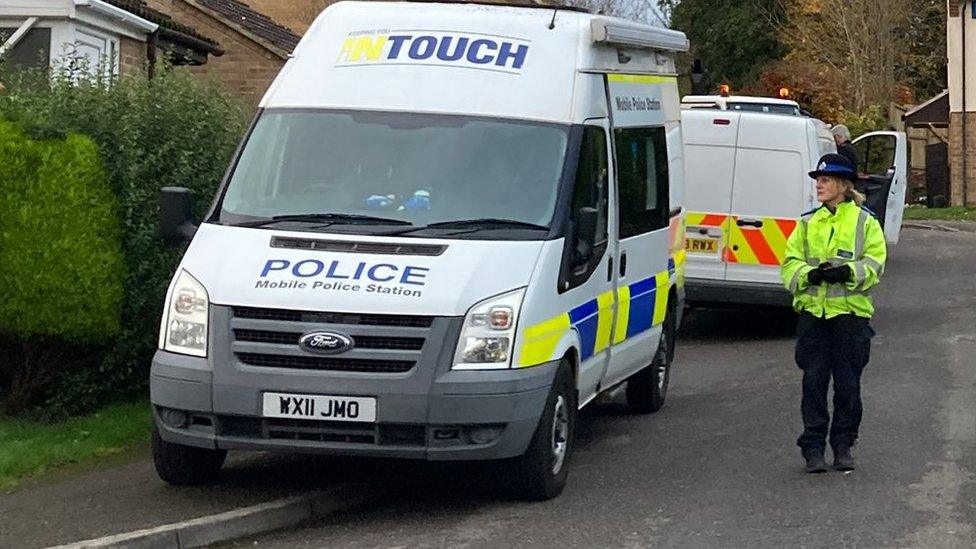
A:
(747, 184)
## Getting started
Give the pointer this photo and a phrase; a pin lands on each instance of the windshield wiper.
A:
(471, 225)
(330, 218)
(487, 223)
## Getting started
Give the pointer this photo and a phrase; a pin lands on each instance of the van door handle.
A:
(757, 223)
(623, 264)
(610, 271)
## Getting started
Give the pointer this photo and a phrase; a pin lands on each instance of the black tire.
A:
(538, 474)
(185, 465)
(648, 388)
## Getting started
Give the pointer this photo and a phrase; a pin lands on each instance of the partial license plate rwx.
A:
(321, 407)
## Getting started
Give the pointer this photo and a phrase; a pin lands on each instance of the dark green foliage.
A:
(169, 131)
(736, 41)
(924, 68)
(61, 266)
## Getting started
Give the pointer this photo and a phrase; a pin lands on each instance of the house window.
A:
(31, 51)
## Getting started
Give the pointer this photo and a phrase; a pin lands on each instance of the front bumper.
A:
(701, 291)
(458, 415)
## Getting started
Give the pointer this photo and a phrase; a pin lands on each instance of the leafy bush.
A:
(60, 260)
(172, 130)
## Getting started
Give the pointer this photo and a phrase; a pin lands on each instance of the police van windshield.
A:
(397, 173)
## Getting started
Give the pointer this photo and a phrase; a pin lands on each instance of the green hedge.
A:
(173, 130)
(61, 266)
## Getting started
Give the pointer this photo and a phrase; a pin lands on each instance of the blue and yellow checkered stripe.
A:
(643, 305)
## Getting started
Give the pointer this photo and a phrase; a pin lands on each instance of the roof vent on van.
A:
(342, 246)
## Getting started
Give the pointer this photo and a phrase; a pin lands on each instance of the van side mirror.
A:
(175, 223)
(585, 235)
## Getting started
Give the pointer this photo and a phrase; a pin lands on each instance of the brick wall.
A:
(245, 70)
(297, 15)
(132, 56)
(956, 158)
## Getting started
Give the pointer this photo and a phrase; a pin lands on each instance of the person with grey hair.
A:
(842, 136)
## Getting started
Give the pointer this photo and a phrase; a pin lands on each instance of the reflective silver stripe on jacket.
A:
(860, 237)
(795, 282)
(805, 235)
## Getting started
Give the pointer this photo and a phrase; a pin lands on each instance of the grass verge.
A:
(30, 448)
(954, 213)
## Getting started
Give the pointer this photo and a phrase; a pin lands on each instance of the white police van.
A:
(448, 228)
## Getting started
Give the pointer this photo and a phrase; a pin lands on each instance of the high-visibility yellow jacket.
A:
(850, 236)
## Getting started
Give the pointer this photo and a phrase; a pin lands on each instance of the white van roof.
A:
(721, 101)
(472, 59)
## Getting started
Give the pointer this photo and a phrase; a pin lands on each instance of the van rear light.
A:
(722, 122)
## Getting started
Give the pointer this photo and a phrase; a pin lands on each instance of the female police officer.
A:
(833, 259)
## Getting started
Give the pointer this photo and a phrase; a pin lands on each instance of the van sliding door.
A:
(644, 113)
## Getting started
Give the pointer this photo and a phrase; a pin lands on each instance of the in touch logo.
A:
(434, 48)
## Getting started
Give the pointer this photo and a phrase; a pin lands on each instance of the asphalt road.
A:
(718, 465)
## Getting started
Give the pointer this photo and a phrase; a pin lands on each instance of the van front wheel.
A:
(647, 389)
(185, 465)
(541, 472)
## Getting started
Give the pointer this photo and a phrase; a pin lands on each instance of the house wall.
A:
(245, 70)
(960, 13)
(132, 56)
(956, 153)
(297, 15)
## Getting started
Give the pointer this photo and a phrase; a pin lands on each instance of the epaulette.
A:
(874, 215)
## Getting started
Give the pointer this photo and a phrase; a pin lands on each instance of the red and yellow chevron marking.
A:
(748, 245)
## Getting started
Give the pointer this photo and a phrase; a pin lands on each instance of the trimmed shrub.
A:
(172, 130)
(61, 265)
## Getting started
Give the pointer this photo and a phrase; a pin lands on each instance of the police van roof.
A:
(464, 58)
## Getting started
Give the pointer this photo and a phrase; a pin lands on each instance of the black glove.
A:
(815, 277)
(837, 275)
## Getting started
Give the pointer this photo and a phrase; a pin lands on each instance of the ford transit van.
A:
(449, 227)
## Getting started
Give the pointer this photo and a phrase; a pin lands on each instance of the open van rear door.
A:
(883, 167)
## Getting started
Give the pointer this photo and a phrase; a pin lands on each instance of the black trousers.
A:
(840, 348)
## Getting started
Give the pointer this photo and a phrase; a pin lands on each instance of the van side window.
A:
(592, 186)
(642, 177)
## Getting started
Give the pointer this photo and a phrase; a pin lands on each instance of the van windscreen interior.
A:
(414, 168)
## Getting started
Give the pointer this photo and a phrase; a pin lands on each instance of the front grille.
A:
(326, 363)
(317, 317)
(378, 248)
(361, 342)
(321, 431)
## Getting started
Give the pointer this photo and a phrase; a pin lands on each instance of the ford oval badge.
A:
(325, 343)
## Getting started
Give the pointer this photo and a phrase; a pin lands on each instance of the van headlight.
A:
(185, 318)
(488, 336)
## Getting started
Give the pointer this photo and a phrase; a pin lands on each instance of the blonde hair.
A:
(850, 193)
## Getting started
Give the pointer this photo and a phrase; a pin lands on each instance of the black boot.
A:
(815, 461)
(843, 461)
